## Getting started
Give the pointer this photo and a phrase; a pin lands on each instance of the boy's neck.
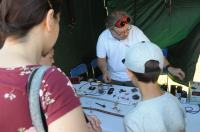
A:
(150, 90)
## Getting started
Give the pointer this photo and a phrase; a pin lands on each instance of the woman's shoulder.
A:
(55, 77)
(53, 70)
(57, 94)
(54, 73)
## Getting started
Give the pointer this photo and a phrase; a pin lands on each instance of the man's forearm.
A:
(102, 63)
(166, 62)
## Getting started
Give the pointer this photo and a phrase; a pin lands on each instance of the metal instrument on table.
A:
(194, 92)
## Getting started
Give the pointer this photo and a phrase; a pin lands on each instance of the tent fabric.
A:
(154, 19)
(185, 54)
(174, 27)
(77, 39)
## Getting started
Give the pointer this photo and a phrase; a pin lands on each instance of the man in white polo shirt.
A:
(158, 111)
(112, 44)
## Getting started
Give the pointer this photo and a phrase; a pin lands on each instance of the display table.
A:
(110, 105)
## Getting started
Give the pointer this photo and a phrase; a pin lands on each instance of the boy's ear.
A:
(132, 76)
(50, 20)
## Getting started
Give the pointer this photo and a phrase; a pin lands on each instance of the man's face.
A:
(121, 33)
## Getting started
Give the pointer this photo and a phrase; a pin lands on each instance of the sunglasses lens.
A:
(128, 19)
(122, 24)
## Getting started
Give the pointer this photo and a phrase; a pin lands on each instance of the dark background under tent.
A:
(175, 26)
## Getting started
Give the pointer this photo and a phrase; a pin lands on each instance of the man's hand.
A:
(106, 77)
(94, 124)
(176, 72)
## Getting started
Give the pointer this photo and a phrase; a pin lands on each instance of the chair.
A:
(165, 54)
(96, 73)
(79, 71)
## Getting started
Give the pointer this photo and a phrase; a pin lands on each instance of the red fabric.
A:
(121, 22)
(56, 94)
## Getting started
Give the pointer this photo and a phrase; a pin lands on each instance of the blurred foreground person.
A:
(30, 29)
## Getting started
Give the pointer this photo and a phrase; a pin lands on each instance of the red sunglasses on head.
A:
(121, 22)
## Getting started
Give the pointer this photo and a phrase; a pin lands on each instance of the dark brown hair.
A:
(17, 17)
(152, 72)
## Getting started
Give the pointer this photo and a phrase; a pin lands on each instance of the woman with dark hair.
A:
(30, 29)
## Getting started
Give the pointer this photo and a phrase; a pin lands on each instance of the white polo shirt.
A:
(114, 50)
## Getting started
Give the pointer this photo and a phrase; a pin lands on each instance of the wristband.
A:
(167, 66)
